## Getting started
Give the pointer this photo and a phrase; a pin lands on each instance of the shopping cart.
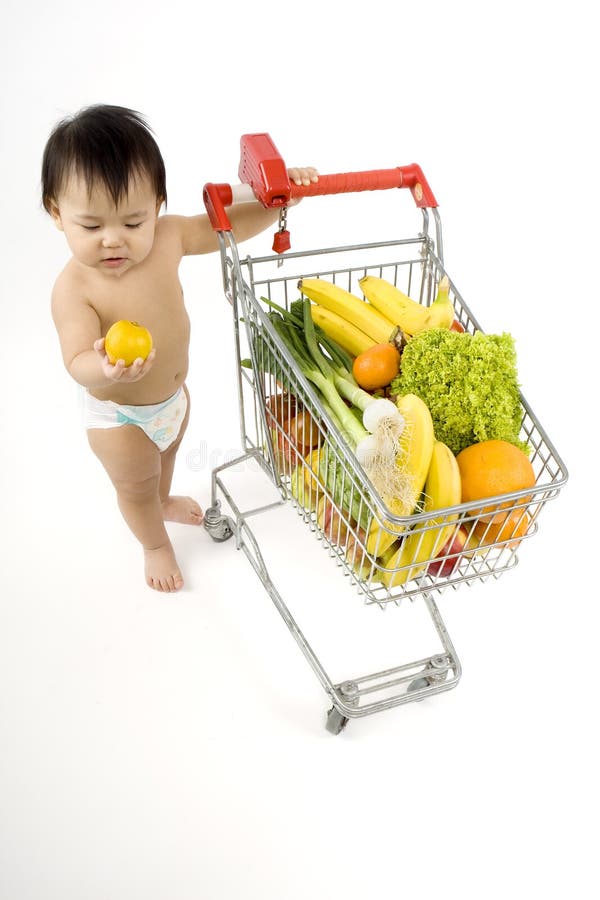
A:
(271, 389)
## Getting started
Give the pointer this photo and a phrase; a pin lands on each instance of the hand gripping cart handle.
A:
(336, 500)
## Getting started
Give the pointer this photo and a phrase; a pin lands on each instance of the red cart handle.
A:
(263, 168)
(375, 180)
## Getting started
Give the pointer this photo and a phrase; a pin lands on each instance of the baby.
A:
(103, 183)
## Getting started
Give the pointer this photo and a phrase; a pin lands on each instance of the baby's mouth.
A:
(113, 261)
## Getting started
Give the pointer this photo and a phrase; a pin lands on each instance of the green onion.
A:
(321, 375)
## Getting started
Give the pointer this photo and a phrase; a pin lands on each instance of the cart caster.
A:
(417, 685)
(336, 722)
(218, 526)
(431, 675)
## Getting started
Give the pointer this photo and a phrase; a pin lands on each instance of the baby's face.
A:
(108, 239)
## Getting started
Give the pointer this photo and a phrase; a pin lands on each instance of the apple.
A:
(448, 558)
(457, 326)
(127, 341)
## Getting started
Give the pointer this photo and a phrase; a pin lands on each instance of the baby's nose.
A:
(113, 238)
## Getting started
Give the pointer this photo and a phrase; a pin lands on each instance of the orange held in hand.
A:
(127, 341)
(376, 367)
(489, 468)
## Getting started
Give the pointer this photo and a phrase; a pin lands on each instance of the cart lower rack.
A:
(271, 388)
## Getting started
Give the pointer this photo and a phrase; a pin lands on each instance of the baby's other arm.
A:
(247, 219)
(82, 345)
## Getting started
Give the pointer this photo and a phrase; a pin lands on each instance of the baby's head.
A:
(108, 147)
(103, 183)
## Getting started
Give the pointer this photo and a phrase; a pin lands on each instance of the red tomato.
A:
(457, 326)
(281, 408)
(303, 432)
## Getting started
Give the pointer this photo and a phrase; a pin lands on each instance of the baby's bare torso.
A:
(149, 293)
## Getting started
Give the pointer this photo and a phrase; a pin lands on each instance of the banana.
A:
(412, 317)
(416, 448)
(394, 304)
(442, 489)
(341, 330)
(441, 311)
(304, 484)
(344, 304)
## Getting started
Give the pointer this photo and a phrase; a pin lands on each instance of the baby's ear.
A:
(55, 213)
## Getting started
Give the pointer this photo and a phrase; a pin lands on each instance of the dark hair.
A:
(102, 144)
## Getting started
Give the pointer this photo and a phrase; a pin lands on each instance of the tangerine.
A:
(376, 367)
(491, 468)
(511, 527)
(127, 341)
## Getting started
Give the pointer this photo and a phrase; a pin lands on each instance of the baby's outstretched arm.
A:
(82, 344)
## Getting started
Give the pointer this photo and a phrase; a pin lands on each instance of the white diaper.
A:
(160, 421)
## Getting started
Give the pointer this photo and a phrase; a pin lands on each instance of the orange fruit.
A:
(127, 341)
(511, 527)
(376, 367)
(490, 468)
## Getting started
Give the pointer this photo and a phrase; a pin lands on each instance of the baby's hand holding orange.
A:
(116, 365)
(128, 341)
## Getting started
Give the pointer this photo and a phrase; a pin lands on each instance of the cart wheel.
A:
(417, 685)
(218, 526)
(336, 722)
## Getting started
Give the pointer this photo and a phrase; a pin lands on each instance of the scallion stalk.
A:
(351, 429)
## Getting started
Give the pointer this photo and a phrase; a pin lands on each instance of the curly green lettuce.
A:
(468, 381)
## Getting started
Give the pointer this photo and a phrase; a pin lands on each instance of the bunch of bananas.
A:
(356, 325)
(350, 322)
(412, 317)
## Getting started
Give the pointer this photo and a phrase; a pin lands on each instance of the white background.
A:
(168, 748)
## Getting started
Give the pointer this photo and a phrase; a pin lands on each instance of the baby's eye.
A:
(91, 227)
(137, 225)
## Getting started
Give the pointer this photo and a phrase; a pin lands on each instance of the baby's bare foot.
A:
(162, 571)
(183, 510)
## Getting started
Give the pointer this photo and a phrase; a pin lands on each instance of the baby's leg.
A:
(133, 463)
(177, 509)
